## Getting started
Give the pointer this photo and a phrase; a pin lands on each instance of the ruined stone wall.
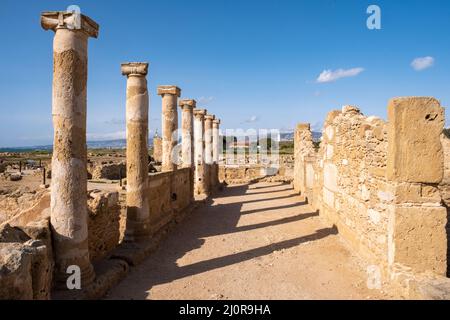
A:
(241, 174)
(379, 183)
(110, 171)
(12, 202)
(303, 147)
(169, 193)
(157, 149)
(444, 188)
(248, 169)
(355, 196)
(103, 223)
(26, 249)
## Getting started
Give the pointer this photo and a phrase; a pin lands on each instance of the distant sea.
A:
(106, 144)
(121, 144)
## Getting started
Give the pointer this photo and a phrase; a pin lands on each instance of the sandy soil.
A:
(252, 242)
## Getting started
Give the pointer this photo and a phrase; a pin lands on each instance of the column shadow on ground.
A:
(162, 266)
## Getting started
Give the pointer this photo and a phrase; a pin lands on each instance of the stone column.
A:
(208, 151)
(157, 149)
(187, 147)
(137, 227)
(187, 127)
(216, 141)
(200, 186)
(216, 153)
(69, 163)
(169, 96)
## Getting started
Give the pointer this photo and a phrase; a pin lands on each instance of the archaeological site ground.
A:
(333, 185)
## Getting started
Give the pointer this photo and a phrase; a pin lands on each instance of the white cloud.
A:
(205, 100)
(115, 121)
(252, 119)
(422, 63)
(106, 136)
(330, 75)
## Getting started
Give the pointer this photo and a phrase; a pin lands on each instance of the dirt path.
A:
(253, 242)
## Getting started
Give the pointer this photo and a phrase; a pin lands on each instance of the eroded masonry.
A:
(71, 230)
(383, 185)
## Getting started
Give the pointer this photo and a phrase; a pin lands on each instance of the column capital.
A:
(162, 90)
(210, 117)
(303, 126)
(200, 113)
(55, 20)
(216, 121)
(189, 103)
(134, 69)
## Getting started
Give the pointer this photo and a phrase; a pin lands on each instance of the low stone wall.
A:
(169, 193)
(110, 171)
(103, 223)
(241, 174)
(26, 253)
(245, 169)
(12, 202)
(378, 183)
(444, 188)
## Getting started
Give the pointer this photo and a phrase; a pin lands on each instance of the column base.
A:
(87, 278)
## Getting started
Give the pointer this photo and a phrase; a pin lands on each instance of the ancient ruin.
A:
(361, 212)
(69, 181)
(137, 150)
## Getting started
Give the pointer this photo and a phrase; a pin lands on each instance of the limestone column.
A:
(169, 96)
(208, 151)
(200, 186)
(187, 144)
(187, 128)
(69, 163)
(157, 148)
(216, 141)
(137, 226)
(216, 153)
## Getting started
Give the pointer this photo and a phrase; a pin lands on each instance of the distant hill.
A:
(121, 143)
(289, 136)
(106, 144)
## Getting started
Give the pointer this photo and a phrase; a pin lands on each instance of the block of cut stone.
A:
(415, 151)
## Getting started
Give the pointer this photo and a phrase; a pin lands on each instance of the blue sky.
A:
(253, 63)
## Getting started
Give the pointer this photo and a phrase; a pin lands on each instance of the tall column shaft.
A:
(216, 142)
(170, 96)
(137, 105)
(69, 161)
(200, 186)
(208, 151)
(217, 148)
(187, 132)
(209, 139)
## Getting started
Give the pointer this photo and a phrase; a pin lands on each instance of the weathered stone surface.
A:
(26, 264)
(171, 90)
(169, 126)
(303, 147)
(137, 109)
(157, 149)
(111, 171)
(200, 182)
(69, 160)
(415, 150)
(104, 228)
(15, 177)
(15, 272)
(420, 239)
